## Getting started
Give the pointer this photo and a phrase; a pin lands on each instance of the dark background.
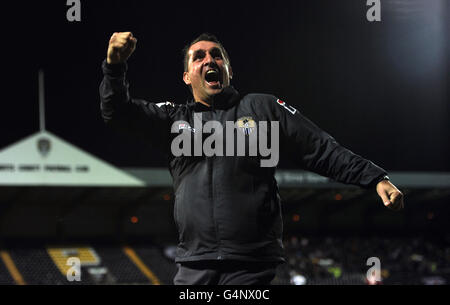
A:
(380, 88)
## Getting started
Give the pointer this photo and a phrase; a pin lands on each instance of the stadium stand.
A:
(342, 260)
(311, 260)
(36, 266)
(100, 264)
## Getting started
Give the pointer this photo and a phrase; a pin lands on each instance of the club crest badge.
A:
(246, 124)
(44, 146)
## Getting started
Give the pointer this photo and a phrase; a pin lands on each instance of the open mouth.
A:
(212, 77)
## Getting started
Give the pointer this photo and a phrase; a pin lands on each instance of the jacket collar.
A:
(224, 100)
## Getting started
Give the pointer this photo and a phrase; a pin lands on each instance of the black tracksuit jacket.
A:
(228, 207)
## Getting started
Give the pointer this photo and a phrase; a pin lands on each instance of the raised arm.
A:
(137, 118)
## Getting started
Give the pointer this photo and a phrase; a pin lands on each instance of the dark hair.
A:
(202, 37)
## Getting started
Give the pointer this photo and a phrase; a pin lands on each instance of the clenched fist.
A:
(391, 196)
(120, 48)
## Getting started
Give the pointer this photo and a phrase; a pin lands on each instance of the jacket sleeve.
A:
(136, 118)
(317, 151)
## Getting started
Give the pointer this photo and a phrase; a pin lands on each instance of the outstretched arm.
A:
(317, 151)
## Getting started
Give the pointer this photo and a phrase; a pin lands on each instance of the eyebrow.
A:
(202, 51)
(197, 52)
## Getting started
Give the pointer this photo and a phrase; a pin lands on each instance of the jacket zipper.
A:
(211, 166)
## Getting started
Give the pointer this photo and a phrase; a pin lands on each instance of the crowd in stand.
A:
(345, 260)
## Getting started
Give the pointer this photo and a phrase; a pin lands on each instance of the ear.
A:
(186, 78)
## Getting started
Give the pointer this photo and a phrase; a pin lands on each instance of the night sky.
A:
(380, 88)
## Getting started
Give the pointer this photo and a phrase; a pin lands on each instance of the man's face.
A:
(208, 70)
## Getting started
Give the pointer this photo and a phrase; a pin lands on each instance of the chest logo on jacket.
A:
(246, 124)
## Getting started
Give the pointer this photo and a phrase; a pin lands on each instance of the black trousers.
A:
(226, 272)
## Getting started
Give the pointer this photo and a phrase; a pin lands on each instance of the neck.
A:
(212, 100)
(207, 101)
(204, 103)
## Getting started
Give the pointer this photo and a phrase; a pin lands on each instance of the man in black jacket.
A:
(227, 205)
